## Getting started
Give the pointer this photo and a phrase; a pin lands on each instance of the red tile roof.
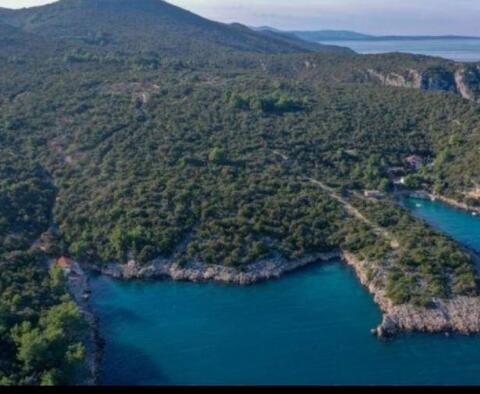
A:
(64, 262)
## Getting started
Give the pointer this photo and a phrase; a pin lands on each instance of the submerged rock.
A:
(387, 329)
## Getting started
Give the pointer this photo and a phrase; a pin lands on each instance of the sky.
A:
(366, 16)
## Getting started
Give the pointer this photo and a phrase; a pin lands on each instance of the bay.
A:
(310, 327)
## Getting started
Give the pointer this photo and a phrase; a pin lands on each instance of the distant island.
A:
(346, 35)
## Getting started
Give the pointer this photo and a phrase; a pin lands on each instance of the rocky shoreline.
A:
(459, 315)
(448, 201)
(198, 272)
(425, 195)
(78, 285)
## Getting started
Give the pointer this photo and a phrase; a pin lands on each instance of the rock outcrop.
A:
(196, 272)
(412, 79)
(462, 79)
(467, 80)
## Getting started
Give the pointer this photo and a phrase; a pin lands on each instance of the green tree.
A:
(54, 346)
(217, 156)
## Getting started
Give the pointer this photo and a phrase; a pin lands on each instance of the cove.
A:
(310, 327)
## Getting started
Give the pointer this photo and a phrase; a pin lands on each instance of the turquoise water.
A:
(461, 50)
(310, 327)
(460, 225)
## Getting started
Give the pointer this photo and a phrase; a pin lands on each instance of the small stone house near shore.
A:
(67, 265)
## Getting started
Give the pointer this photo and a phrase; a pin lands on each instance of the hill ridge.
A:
(151, 25)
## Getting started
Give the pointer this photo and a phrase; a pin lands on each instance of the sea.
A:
(460, 50)
(310, 327)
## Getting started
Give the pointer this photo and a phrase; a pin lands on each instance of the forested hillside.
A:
(41, 329)
(148, 25)
(218, 160)
(122, 138)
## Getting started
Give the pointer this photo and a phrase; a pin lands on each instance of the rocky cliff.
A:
(393, 69)
(462, 79)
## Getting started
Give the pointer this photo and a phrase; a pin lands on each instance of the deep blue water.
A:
(310, 327)
(462, 50)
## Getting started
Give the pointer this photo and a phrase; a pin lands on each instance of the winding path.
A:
(380, 231)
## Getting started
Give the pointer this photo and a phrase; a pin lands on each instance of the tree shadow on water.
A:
(127, 365)
(118, 314)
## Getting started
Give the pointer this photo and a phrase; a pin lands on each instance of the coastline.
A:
(458, 315)
(78, 286)
(426, 195)
(262, 270)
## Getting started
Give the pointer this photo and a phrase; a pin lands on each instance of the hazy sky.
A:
(369, 16)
